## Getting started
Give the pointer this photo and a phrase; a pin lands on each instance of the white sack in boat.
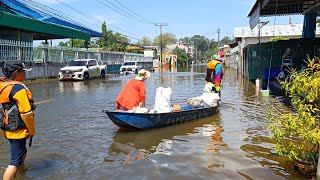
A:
(195, 102)
(139, 110)
(162, 102)
(208, 98)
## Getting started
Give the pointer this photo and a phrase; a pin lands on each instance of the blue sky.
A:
(184, 18)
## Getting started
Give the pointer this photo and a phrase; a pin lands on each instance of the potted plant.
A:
(297, 132)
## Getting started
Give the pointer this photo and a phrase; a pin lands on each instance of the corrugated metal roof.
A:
(270, 31)
(283, 7)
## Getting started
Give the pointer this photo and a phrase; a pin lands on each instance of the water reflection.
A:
(80, 86)
(75, 140)
(135, 145)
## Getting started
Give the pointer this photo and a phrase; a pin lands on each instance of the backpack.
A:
(3, 113)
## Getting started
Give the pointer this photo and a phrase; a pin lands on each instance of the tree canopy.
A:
(145, 41)
(204, 47)
(112, 41)
(167, 38)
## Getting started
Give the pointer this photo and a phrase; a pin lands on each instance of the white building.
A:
(188, 49)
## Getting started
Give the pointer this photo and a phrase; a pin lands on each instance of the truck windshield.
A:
(77, 63)
(129, 63)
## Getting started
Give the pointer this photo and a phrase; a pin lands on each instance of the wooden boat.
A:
(155, 120)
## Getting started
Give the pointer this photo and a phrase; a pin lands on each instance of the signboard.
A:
(149, 53)
(174, 57)
(255, 17)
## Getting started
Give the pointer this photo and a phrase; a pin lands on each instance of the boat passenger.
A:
(18, 125)
(215, 72)
(133, 94)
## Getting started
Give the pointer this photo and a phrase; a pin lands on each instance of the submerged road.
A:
(75, 140)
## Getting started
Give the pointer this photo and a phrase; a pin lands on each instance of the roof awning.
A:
(25, 9)
(285, 7)
(41, 29)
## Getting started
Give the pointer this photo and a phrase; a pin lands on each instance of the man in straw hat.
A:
(133, 93)
(215, 72)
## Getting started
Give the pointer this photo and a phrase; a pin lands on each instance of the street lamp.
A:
(261, 24)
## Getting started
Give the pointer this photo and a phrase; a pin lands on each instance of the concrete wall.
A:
(42, 71)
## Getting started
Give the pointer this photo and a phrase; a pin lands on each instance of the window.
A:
(92, 63)
(129, 63)
(77, 63)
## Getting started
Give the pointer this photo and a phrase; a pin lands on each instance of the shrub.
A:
(297, 133)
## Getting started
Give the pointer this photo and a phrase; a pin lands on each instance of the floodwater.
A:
(76, 140)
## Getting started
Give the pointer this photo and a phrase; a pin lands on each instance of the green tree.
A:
(225, 40)
(78, 43)
(62, 44)
(112, 41)
(145, 41)
(167, 39)
(181, 55)
(186, 40)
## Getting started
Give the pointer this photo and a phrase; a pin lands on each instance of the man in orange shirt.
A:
(133, 93)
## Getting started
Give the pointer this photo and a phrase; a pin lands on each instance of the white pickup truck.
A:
(129, 67)
(82, 69)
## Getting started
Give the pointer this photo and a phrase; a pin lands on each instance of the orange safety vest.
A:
(211, 70)
(13, 122)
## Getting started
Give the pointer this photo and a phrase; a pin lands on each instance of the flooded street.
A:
(75, 140)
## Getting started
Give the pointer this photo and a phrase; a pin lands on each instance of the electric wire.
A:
(97, 20)
(126, 15)
(135, 12)
(40, 7)
(48, 11)
(53, 12)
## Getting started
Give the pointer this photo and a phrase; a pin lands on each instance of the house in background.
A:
(188, 49)
(255, 52)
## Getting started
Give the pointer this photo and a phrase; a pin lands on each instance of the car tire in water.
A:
(103, 74)
(86, 76)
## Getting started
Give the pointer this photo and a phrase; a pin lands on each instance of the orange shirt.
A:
(131, 94)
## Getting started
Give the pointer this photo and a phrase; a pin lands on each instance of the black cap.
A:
(10, 66)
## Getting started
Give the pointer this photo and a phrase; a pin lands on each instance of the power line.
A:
(97, 20)
(53, 12)
(128, 15)
(161, 24)
(134, 12)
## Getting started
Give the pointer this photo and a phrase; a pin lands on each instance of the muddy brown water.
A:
(75, 140)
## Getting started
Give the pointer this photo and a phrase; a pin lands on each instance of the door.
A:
(93, 68)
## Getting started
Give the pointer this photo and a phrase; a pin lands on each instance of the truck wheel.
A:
(86, 76)
(136, 71)
(103, 74)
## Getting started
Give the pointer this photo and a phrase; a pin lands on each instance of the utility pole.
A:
(218, 31)
(195, 44)
(161, 24)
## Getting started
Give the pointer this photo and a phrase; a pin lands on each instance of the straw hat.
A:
(143, 75)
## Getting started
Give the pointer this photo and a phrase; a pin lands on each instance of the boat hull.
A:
(156, 120)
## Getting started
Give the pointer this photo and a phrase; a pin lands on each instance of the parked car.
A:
(129, 67)
(82, 69)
